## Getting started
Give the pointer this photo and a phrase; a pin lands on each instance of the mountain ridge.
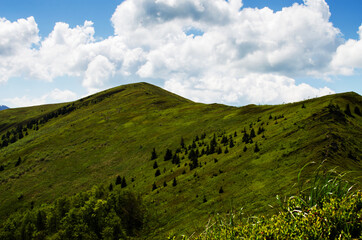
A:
(93, 140)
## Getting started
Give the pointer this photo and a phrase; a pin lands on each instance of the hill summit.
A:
(187, 160)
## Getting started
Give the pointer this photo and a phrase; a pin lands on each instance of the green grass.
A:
(113, 133)
(326, 209)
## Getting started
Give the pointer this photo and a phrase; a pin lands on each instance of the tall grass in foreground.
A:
(324, 208)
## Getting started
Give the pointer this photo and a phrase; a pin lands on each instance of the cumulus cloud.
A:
(238, 54)
(55, 96)
(349, 55)
(98, 71)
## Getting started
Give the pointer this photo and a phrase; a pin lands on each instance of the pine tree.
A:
(226, 150)
(153, 154)
(204, 200)
(256, 149)
(270, 117)
(164, 184)
(154, 187)
(182, 142)
(18, 162)
(168, 155)
(348, 111)
(1, 168)
(221, 190)
(118, 180)
(155, 165)
(231, 145)
(157, 173)
(252, 133)
(357, 111)
(174, 183)
(303, 106)
(110, 188)
(245, 148)
(123, 184)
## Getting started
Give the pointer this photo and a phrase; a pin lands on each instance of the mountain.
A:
(252, 153)
(3, 107)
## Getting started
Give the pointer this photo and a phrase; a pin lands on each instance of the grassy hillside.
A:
(62, 149)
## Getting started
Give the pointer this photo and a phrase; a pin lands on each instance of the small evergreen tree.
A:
(219, 150)
(182, 142)
(231, 145)
(357, 111)
(252, 133)
(18, 162)
(155, 165)
(110, 188)
(348, 111)
(168, 155)
(157, 173)
(256, 148)
(153, 154)
(174, 183)
(204, 199)
(164, 184)
(245, 148)
(226, 150)
(118, 180)
(303, 106)
(123, 184)
(1, 168)
(154, 187)
(221, 190)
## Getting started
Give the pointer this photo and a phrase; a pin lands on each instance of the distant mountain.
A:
(3, 107)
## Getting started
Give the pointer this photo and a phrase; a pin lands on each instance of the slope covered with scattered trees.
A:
(187, 160)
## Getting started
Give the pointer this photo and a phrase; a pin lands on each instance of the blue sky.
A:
(207, 51)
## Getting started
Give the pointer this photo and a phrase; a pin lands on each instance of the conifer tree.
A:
(157, 173)
(221, 190)
(226, 150)
(118, 180)
(174, 183)
(123, 184)
(204, 199)
(231, 145)
(18, 162)
(110, 188)
(348, 110)
(1, 168)
(155, 165)
(168, 155)
(164, 184)
(182, 142)
(153, 154)
(245, 148)
(154, 187)
(252, 133)
(256, 149)
(357, 111)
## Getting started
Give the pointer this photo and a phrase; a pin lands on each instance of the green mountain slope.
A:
(55, 150)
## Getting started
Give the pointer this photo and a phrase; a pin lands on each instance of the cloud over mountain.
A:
(210, 51)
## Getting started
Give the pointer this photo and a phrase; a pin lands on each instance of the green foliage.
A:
(95, 214)
(336, 218)
(328, 211)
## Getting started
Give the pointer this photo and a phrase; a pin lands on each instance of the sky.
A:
(212, 51)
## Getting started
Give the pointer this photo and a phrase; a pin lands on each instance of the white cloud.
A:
(98, 71)
(54, 96)
(349, 55)
(253, 88)
(240, 55)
